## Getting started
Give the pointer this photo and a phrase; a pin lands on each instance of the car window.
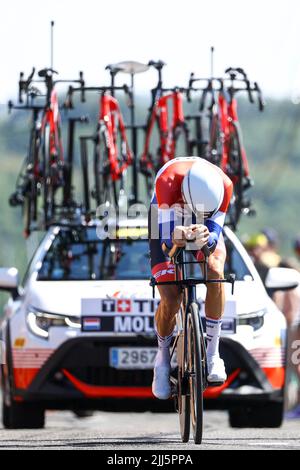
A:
(80, 255)
(84, 257)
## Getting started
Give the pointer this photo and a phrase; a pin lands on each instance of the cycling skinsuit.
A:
(163, 217)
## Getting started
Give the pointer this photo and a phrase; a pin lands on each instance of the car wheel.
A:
(268, 415)
(18, 415)
(22, 416)
(83, 413)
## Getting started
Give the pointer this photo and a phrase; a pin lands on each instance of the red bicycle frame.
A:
(229, 118)
(160, 114)
(110, 115)
(52, 117)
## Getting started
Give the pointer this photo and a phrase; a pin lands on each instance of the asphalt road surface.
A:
(150, 431)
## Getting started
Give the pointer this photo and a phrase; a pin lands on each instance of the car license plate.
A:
(134, 358)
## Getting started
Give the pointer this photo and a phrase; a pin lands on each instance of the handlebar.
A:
(234, 74)
(261, 101)
(25, 84)
(232, 89)
(32, 107)
(233, 71)
(68, 104)
(186, 282)
(190, 88)
(175, 250)
(177, 89)
(46, 76)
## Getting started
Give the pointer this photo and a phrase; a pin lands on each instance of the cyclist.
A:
(190, 200)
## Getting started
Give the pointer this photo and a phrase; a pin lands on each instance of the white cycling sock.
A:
(213, 331)
(163, 354)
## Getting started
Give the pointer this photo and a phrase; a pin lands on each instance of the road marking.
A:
(274, 444)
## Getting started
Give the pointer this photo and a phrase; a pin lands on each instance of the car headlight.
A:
(254, 319)
(40, 322)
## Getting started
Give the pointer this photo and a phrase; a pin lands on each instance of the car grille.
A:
(108, 376)
(88, 361)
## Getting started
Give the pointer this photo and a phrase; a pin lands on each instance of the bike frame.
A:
(110, 115)
(160, 114)
(188, 285)
(52, 117)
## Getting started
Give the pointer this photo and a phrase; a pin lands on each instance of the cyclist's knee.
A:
(170, 304)
(170, 299)
(215, 268)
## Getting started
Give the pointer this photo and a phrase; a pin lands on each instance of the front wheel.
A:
(196, 370)
(183, 399)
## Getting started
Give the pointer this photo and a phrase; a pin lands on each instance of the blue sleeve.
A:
(214, 233)
(166, 224)
(165, 233)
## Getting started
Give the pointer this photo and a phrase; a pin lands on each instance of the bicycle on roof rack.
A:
(224, 146)
(189, 380)
(131, 68)
(166, 112)
(42, 172)
(112, 154)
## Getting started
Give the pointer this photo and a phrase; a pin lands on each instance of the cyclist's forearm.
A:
(167, 243)
(214, 233)
(212, 242)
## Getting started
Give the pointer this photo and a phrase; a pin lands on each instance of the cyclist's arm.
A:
(166, 224)
(215, 225)
(216, 222)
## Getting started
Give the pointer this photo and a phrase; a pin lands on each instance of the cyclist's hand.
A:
(179, 238)
(198, 233)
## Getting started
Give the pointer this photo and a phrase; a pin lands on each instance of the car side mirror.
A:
(283, 279)
(9, 280)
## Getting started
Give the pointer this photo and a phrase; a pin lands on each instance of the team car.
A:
(79, 330)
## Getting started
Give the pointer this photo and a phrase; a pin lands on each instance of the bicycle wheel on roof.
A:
(235, 171)
(216, 141)
(105, 191)
(48, 183)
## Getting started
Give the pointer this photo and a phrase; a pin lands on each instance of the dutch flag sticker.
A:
(91, 324)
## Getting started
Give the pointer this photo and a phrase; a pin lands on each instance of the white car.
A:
(79, 331)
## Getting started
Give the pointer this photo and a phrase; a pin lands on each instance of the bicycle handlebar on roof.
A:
(232, 89)
(46, 75)
(103, 89)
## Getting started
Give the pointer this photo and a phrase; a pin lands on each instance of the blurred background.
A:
(261, 37)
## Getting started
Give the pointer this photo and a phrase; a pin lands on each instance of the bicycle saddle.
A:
(46, 72)
(128, 66)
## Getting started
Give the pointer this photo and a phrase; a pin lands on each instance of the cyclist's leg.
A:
(215, 297)
(170, 296)
(163, 270)
(214, 309)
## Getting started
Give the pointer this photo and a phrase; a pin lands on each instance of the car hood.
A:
(65, 297)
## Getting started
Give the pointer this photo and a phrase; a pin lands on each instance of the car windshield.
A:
(80, 255)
